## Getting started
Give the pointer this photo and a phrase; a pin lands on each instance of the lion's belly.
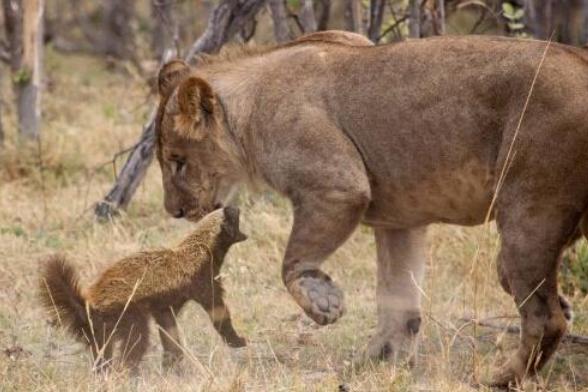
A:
(458, 196)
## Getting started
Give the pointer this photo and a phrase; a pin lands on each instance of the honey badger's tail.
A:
(62, 297)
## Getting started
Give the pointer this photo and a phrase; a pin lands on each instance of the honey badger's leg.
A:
(533, 237)
(322, 222)
(169, 335)
(100, 344)
(134, 336)
(401, 264)
(214, 304)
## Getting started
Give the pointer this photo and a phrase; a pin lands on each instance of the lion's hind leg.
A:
(533, 238)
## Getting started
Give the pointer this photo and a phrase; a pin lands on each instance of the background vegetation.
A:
(95, 68)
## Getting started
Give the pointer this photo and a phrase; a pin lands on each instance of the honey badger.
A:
(117, 307)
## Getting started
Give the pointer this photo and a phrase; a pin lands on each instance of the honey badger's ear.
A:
(196, 102)
(170, 75)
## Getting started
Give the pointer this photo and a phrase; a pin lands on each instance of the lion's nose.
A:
(180, 213)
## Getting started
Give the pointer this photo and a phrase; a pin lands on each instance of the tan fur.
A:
(156, 283)
(400, 136)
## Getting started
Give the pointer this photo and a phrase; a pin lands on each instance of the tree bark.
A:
(376, 17)
(280, 20)
(353, 16)
(13, 25)
(440, 17)
(306, 16)
(29, 97)
(12, 10)
(118, 40)
(324, 15)
(1, 124)
(165, 28)
(414, 22)
(227, 19)
(540, 17)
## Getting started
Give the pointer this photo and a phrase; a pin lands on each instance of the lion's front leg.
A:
(321, 224)
(401, 264)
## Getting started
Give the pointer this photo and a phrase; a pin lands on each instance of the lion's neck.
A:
(235, 86)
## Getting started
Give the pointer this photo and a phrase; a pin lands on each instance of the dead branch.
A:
(324, 14)
(515, 329)
(306, 16)
(353, 16)
(414, 24)
(376, 18)
(227, 19)
(280, 20)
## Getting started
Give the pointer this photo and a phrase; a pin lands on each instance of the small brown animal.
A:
(157, 283)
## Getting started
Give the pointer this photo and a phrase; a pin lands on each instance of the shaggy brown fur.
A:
(156, 283)
(396, 136)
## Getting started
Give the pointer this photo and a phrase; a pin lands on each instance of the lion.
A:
(158, 283)
(457, 130)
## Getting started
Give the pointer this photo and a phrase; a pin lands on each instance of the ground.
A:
(90, 113)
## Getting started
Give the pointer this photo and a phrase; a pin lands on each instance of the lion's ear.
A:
(196, 102)
(170, 75)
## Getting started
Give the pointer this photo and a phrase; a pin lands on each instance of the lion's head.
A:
(198, 163)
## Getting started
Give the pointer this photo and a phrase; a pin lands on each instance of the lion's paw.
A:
(318, 296)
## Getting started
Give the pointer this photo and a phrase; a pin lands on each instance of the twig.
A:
(515, 329)
(393, 26)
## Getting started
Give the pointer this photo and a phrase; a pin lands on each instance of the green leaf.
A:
(516, 26)
(519, 14)
(508, 9)
(22, 76)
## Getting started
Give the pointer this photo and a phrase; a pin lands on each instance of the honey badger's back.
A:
(149, 275)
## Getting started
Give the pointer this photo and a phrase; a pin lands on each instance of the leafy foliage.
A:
(575, 270)
(514, 16)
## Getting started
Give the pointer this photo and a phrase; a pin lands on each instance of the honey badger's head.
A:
(217, 230)
(230, 226)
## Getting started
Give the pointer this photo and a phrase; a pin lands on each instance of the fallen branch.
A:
(515, 329)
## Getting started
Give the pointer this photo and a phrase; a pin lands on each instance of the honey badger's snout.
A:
(231, 224)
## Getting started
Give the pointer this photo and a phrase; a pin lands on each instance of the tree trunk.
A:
(13, 26)
(165, 28)
(353, 16)
(440, 17)
(324, 14)
(376, 17)
(118, 40)
(540, 17)
(228, 18)
(280, 21)
(306, 16)
(414, 22)
(24, 29)
(583, 28)
(1, 125)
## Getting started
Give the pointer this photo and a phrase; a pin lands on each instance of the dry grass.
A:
(90, 114)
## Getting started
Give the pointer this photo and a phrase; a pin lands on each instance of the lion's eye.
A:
(178, 165)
